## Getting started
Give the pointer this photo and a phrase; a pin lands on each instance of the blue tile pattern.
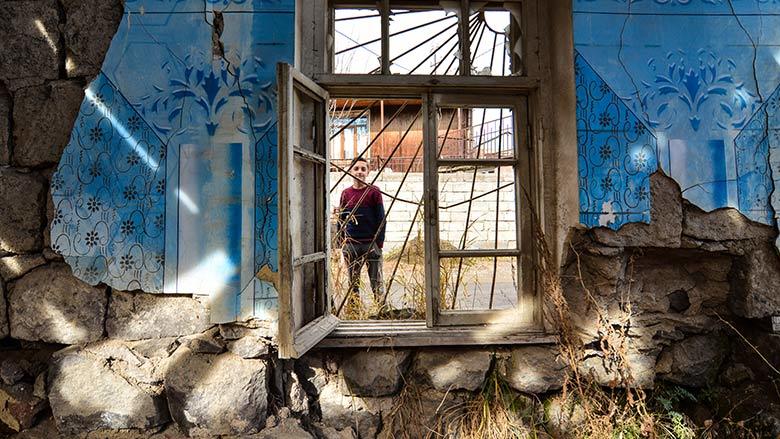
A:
(617, 154)
(109, 195)
(698, 74)
(202, 219)
(759, 140)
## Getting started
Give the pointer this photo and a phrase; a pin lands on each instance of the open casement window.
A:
(450, 93)
(304, 238)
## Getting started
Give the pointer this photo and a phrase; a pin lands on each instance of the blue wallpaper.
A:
(169, 181)
(700, 78)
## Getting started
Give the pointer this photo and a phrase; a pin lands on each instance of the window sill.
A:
(377, 333)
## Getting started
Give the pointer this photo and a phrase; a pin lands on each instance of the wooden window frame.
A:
(548, 71)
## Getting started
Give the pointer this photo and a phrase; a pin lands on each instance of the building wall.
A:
(679, 287)
(687, 87)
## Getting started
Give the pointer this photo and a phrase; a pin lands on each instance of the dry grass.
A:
(495, 412)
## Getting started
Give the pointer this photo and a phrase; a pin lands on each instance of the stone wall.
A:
(87, 361)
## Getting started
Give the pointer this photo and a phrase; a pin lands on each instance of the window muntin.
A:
(472, 219)
(428, 38)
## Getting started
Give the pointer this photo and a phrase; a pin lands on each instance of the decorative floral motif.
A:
(127, 227)
(617, 154)
(102, 192)
(97, 101)
(91, 239)
(696, 92)
(133, 159)
(58, 216)
(605, 119)
(96, 134)
(159, 221)
(126, 262)
(210, 91)
(130, 193)
(93, 205)
(134, 123)
(605, 152)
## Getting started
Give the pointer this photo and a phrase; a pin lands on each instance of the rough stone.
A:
(315, 371)
(735, 374)
(723, 224)
(89, 30)
(285, 428)
(637, 370)
(208, 342)
(692, 362)
(564, 416)
(85, 382)
(375, 372)
(137, 316)
(454, 370)
(533, 369)
(666, 220)
(657, 278)
(49, 304)
(249, 347)
(296, 395)
(19, 407)
(234, 331)
(332, 433)
(30, 35)
(43, 120)
(13, 267)
(22, 197)
(10, 372)
(341, 410)
(4, 328)
(757, 284)
(212, 395)
(5, 126)
(156, 348)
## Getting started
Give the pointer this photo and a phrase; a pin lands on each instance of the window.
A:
(444, 97)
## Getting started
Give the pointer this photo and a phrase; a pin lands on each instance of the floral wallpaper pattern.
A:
(701, 77)
(168, 184)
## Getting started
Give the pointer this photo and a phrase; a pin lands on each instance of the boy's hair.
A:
(358, 159)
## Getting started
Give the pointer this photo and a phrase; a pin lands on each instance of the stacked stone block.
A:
(104, 361)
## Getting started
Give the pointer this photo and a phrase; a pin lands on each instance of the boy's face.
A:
(359, 171)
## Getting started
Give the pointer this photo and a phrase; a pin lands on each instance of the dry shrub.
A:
(622, 411)
(495, 412)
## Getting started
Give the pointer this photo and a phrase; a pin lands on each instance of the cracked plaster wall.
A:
(680, 274)
(690, 87)
(168, 183)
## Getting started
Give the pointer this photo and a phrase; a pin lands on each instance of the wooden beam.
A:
(415, 333)
(305, 259)
(480, 253)
(482, 163)
(308, 155)
(355, 85)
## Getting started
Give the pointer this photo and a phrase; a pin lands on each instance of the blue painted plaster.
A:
(169, 181)
(689, 73)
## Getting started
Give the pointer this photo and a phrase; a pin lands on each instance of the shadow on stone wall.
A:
(103, 359)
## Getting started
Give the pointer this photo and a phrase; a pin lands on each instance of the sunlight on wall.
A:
(45, 34)
(122, 131)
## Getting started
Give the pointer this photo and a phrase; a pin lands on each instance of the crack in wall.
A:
(765, 133)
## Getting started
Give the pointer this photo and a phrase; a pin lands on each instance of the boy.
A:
(362, 227)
